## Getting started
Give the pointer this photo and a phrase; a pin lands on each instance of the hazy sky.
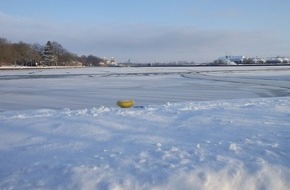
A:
(152, 30)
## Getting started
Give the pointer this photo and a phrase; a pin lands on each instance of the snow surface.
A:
(217, 143)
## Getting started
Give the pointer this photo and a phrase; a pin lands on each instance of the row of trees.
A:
(53, 53)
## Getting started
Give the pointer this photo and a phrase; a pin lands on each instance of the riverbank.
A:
(38, 67)
(142, 65)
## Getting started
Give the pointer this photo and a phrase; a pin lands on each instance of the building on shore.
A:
(278, 60)
(239, 59)
(110, 63)
(224, 61)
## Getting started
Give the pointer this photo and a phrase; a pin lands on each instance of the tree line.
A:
(24, 54)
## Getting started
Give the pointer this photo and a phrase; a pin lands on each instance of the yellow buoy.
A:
(125, 103)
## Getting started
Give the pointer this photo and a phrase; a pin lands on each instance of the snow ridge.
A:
(228, 144)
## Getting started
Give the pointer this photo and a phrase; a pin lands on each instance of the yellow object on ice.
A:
(125, 103)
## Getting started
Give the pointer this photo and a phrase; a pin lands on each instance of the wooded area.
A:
(51, 54)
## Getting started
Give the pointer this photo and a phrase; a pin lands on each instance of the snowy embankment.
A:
(223, 144)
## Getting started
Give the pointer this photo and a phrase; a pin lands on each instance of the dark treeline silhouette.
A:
(24, 54)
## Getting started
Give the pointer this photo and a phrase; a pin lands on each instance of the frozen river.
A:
(233, 141)
(95, 87)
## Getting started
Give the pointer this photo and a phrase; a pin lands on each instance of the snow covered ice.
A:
(206, 128)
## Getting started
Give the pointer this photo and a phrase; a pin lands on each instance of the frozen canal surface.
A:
(95, 87)
(61, 129)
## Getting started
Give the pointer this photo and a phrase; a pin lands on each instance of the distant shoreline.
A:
(37, 67)
(72, 67)
(213, 65)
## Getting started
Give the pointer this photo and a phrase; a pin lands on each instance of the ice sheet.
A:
(86, 87)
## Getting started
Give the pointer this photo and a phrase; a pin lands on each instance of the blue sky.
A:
(152, 30)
